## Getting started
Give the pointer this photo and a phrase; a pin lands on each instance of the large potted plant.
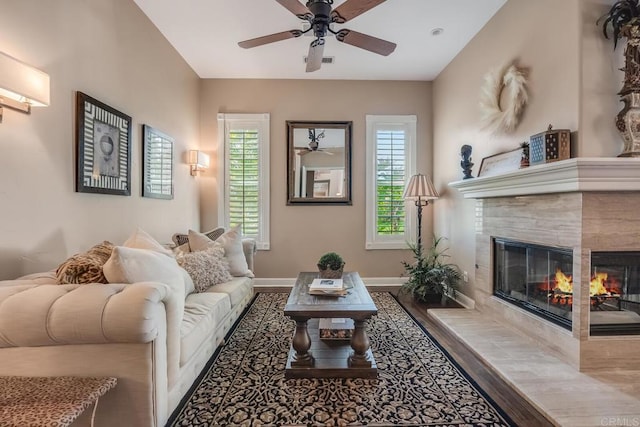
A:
(330, 266)
(623, 20)
(430, 276)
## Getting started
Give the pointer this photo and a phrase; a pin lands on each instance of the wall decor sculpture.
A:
(503, 98)
(103, 148)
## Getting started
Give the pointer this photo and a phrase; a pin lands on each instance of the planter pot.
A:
(432, 298)
(329, 273)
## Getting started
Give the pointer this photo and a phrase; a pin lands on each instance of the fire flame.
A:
(564, 283)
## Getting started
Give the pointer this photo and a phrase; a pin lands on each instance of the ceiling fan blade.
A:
(352, 8)
(297, 8)
(314, 59)
(259, 41)
(366, 42)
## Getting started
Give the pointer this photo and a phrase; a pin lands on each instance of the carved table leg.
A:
(301, 344)
(360, 344)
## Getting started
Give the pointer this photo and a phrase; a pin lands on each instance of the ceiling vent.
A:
(325, 59)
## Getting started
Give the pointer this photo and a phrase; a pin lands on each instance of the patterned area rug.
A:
(418, 384)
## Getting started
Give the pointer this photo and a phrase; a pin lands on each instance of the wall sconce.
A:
(21, 85)
(199, 161)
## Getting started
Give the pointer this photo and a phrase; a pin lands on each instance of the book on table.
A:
(327, 287)
(326, 284)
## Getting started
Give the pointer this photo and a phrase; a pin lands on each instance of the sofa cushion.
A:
(203, 313)
(207, 268)
(85, 267)
(237, 289)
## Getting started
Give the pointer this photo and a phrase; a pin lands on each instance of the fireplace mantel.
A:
(571, 175)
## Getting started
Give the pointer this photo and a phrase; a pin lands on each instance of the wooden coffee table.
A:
(311, 357)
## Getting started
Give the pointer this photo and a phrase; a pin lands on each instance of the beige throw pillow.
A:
(199, 241)
(140, 239)
(207, 268)
(232, 243)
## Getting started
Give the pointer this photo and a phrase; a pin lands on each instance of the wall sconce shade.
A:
(198, 160)
(21, 85)
(420, 187)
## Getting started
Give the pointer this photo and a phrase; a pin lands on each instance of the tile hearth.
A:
(567, 397)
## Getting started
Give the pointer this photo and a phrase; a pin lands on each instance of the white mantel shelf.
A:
(571, 175)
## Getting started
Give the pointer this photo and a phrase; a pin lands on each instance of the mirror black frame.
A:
(291, 153)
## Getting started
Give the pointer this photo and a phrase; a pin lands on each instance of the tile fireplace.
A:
(546, 237)
(539, 279)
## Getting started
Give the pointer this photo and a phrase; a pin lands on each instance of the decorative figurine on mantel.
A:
(524, 160)
(465, 152)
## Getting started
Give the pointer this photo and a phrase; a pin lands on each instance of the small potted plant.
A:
(330, 266)
(430, 277)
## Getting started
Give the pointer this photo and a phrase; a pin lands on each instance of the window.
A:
(244, 174)
(391, 160)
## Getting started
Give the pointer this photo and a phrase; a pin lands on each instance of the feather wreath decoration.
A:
(509, 84)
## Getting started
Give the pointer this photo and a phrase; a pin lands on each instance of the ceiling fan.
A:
(320, 14)
(314, 143)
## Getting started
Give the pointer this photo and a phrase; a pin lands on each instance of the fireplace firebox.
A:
(540, 279)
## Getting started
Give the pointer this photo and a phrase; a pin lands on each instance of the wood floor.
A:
(521, 412)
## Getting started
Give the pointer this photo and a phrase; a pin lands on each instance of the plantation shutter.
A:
(390, 161)
(390, 181)
(244, 180)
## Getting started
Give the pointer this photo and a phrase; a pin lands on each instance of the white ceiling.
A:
(206, 33)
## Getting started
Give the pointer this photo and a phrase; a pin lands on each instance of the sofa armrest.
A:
(250, 248)
(42, 315)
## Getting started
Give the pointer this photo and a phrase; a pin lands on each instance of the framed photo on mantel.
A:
(500, 163)
(104, 148)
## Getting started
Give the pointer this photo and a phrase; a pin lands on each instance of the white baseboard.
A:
(260, 282)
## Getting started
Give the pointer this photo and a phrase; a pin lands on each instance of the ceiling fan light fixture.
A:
(325, 59)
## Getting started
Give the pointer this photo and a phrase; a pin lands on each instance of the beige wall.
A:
(573, 80)
(301, 234)
(109, 50)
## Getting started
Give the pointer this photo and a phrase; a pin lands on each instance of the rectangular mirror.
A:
(319, 162)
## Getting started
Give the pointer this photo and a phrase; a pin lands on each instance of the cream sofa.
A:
(134, 332)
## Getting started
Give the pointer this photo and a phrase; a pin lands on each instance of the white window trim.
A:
(224, 123)
(373, 239)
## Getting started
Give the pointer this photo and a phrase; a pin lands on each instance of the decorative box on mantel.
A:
(549, 146)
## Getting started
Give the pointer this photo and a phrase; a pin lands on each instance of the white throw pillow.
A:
(231, 241)
(140, 239)
(131, 265)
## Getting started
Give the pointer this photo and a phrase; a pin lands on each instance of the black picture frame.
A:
(157, 164)
(334, 140)
(103, 148)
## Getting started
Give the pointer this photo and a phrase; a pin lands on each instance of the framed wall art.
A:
(157, 164)
(500, 163)
(104, 148)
